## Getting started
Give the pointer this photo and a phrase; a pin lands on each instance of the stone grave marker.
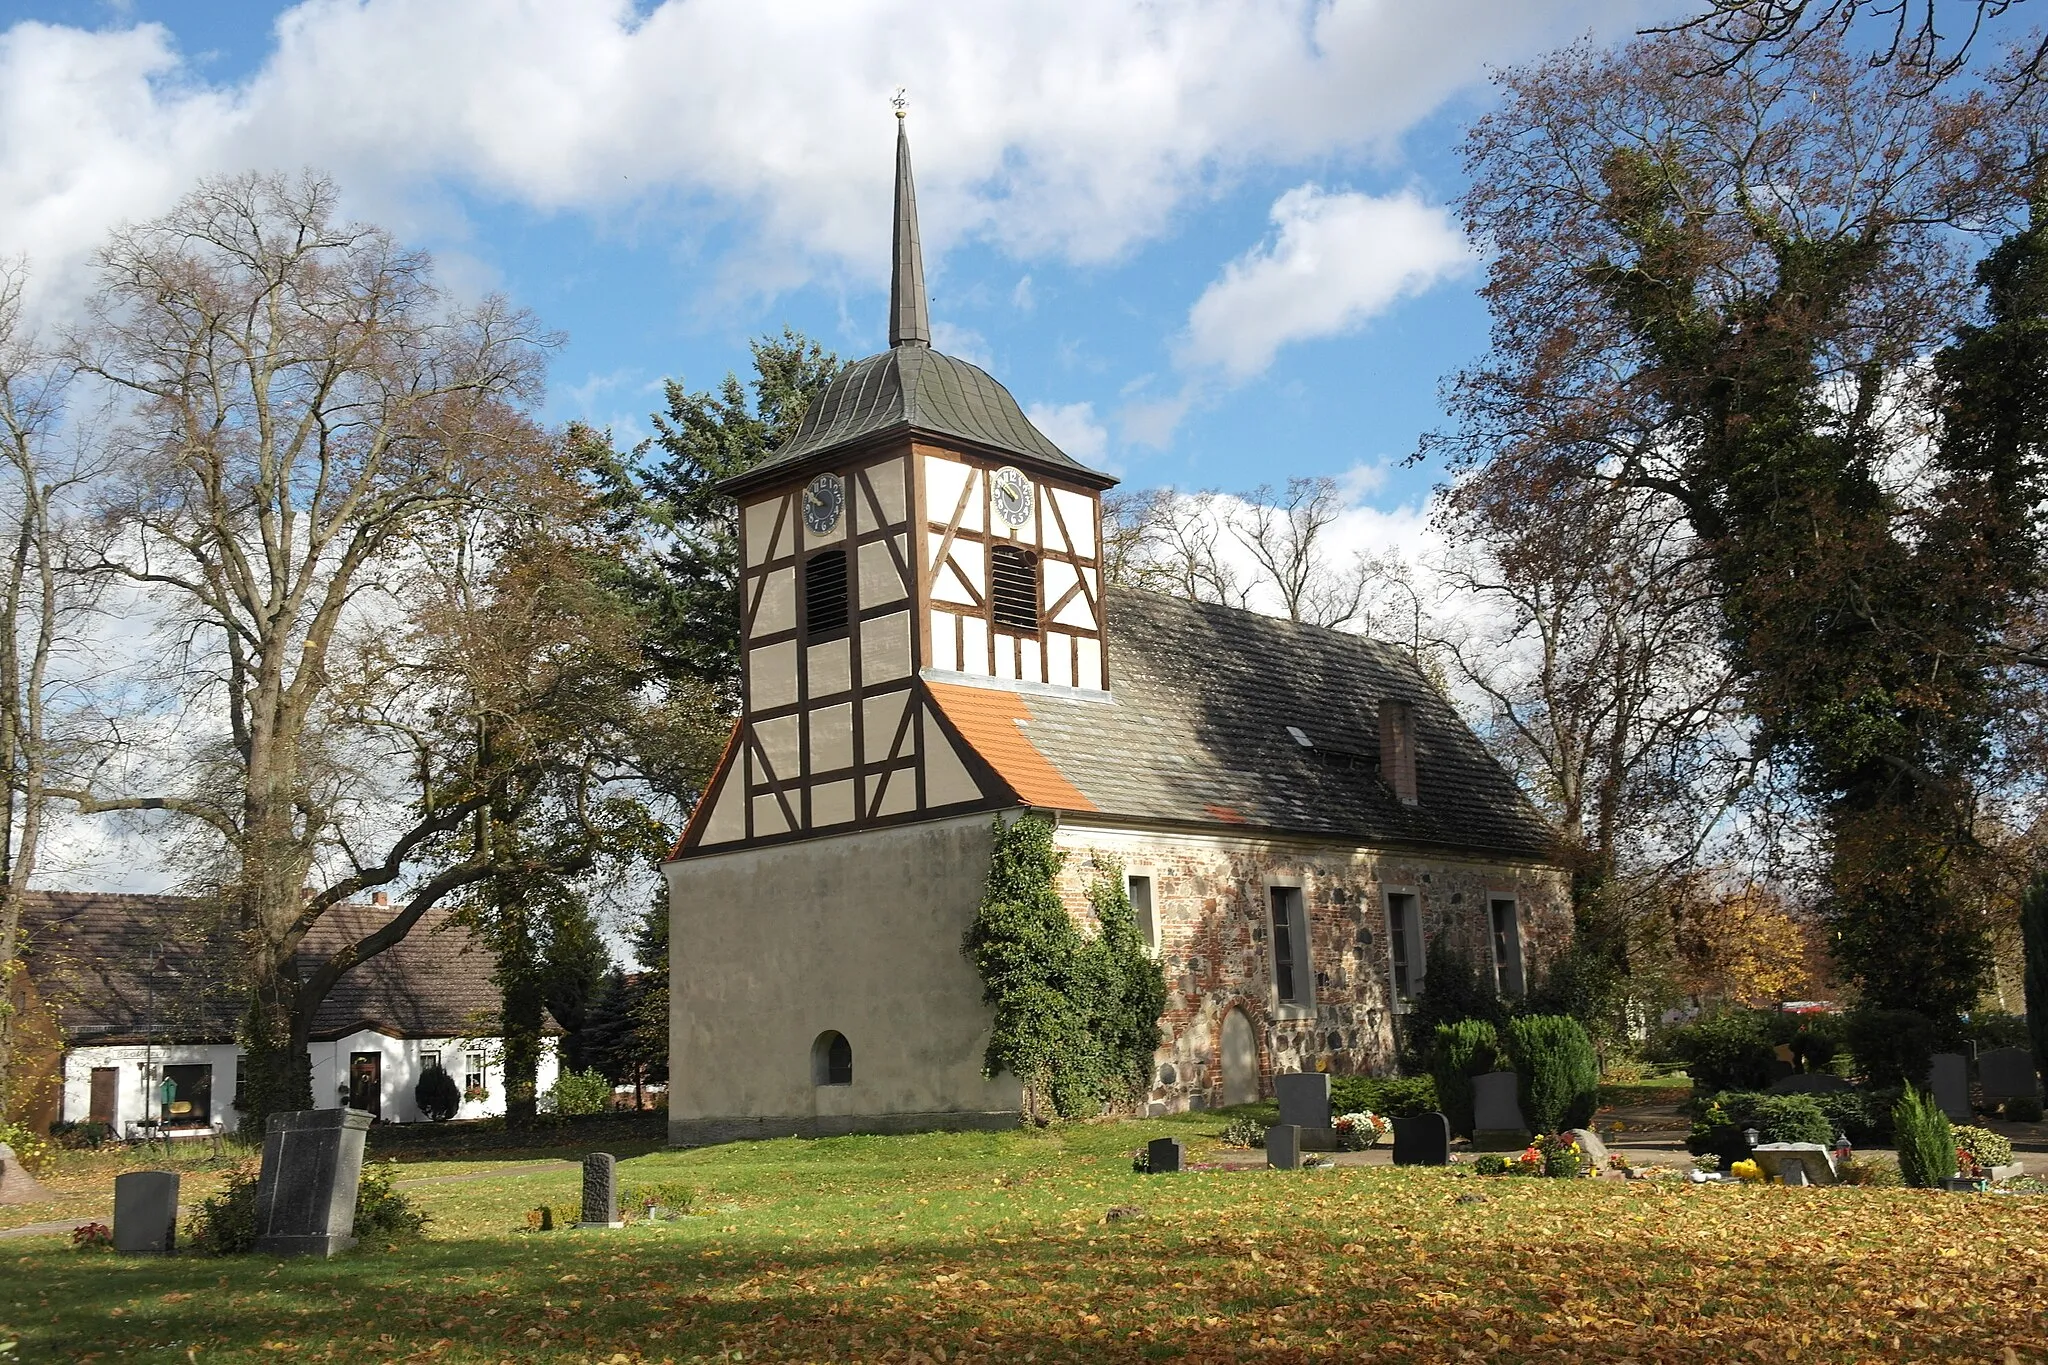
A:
(600, 1191)
(1814, 1162)
(1496, 1114)
(1165, 1156)
(1304, 1098)
(1283, 1147)
(1948, 1076)
(146, 1213)
(2007, 1073)
(1595, 1150)
(17, 1186)
(306, 1191)
(1424, 1140)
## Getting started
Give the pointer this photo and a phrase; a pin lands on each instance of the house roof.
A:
(122, 968)
(1195, 731)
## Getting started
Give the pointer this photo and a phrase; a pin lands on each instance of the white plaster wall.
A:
(135, 1100)
(858, 933)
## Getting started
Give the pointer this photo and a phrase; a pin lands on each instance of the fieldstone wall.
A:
(1211, 901)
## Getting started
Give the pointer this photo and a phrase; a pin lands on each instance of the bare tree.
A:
(1909, 33)
(1166, 541)
(303, 404)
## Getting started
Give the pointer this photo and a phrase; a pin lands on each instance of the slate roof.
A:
(91, 956)
(1194, 731)
(914, 388)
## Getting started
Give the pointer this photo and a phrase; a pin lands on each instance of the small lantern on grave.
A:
(1842, 1149)
(1751, 1136)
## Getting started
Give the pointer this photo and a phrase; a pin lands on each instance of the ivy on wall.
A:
(1076, 1016)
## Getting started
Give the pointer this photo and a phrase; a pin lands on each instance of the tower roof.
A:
(911, 387)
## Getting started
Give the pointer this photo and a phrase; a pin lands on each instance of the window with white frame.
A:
(474, 1085)
(1139, 887)
(1291, 979)
(1507, 946)
(1404, 942)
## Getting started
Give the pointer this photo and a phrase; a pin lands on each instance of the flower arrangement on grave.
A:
(1562, 1156)
(1748, 1172)
(1362, 1130)
(1980, 1149)
(91, 1235)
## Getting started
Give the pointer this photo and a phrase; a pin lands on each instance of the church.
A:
(930, 644)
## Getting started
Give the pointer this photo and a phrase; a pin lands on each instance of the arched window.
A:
(825, 595)
(831, 1059)
(1013, 577)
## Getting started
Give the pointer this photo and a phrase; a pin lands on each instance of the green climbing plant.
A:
(1076, 1016)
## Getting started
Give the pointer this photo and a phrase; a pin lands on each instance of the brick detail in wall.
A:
(1210, 897)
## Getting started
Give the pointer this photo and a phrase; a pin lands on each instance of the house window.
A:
(186, 1094)
(241, 1079)
(1013, 580)
(473, 1087)
(430, 1060)
(1507, 948)
(831, 1059)
(825, 595)
(1404, 935)
(1140, 890)
(1290, 946)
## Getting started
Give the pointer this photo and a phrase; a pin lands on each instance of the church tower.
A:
(917, 529)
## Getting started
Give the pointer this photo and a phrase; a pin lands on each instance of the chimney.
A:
(1397, 749)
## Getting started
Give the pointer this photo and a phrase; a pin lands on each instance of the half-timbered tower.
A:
(928, 641)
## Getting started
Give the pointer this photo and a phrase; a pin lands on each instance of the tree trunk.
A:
(521, 1018)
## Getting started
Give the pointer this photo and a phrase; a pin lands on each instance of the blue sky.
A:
(1207, 243)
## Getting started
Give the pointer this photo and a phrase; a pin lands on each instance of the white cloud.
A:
(964, 342)
(1335, 260)
(1072, 128)
(1073, 428)
(1021, 298)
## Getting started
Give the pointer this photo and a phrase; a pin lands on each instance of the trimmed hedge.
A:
(1396, 1096)
(1557, 1073)
(1458, 1052)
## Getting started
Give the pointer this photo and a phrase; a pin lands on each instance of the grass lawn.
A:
(993, 1246)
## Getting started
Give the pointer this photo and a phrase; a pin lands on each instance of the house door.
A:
(106, 1097)
(1240, 1060)
(366, 1082)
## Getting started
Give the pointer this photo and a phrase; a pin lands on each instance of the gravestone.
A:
(1948, 1076)
(146, 1213)
(306, 1191)
(1304, 1099)
(600, 1191)
(1424, 1140)
(1813, 1161)
(1595, 1150)
(1496, 1114)
(2007, 1073)
(1283, 1147)
(17, 1186)
(1165, 1156)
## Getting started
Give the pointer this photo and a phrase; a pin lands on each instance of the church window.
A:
(1404, 936)
(825, 595)
(1013, 577)
(831, 1059)
(1507, 948)
(1141, 909)
(1290, 946)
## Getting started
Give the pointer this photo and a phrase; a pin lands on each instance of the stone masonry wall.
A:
(1211, 900)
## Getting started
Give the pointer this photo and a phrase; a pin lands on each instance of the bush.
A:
(1395, 1096)
(1732, 1050)
(1491, 1164)
(383, 1212)
(1242, 1132)
(1926, 1143)
(2023, 1109)
(1875, 1172)
(579, 1092)
(1865, 1118)
(1459, 1052)
(1995, 1028)
(85, 1134)
(1986, 1147)
(1454, 989)
(224, 1224)
(1557, 1073)
(1892, 1047)
(1718, 1124)
(32, 1151)
(437, 1095)
(1792, 1118)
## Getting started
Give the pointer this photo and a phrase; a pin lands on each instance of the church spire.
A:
(910, 322)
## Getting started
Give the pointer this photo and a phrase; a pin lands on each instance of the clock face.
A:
(1012, 495)
(824, 500)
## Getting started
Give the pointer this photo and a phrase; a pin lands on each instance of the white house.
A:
(143, 993)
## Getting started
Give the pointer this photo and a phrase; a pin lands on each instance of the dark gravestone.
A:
(146, 1212)
(1283, 1147)
(1496, 1113)
(1304, 1099)
(306, 1193)
(2007, 1073)
(1948, 1076)
(1424, 1140)
(601, 1191)
(1165, 1156)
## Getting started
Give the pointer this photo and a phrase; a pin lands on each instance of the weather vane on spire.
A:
(900, 100)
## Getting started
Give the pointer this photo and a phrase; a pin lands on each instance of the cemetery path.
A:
(41, 1229)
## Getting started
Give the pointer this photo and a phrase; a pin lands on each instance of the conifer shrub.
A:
(1076, 1016)
(1926, 1143)
(1792, 1118)
(1460, 1051)
(2034, 977)
(1454, 989)
(1557, 1072)
(437, 1095)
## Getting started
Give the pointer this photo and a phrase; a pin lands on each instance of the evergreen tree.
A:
(2034, 940)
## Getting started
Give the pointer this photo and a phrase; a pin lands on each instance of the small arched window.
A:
(825, 595)
(831, 1059)
(1013, 580)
